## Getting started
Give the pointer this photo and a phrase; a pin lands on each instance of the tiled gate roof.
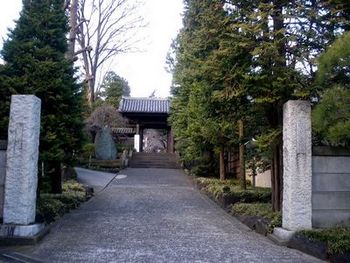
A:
(144, 105)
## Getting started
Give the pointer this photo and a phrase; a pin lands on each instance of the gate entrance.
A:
(148, 117)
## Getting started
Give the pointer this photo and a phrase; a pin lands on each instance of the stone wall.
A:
(3, 146)
(330, 187)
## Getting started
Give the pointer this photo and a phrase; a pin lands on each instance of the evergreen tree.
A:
(334, 64)
(199, 132)
(242, 65)
(35, 64)
(113, 88)
(331, 117)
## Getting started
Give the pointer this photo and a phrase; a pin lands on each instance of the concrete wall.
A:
(330, 187)
(3, 145)
(262, 179)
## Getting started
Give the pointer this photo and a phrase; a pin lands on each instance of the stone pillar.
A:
(22, 160)
(297, 166)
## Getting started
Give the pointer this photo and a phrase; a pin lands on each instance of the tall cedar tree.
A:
(291, 34)
(35, 64)
(264, 56)
(198, 129)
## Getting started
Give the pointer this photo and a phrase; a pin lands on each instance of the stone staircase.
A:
(155, 160)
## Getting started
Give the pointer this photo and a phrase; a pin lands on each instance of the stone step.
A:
(155, 160)
(156, 166)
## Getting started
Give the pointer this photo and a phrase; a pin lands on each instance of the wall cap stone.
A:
(330, 151)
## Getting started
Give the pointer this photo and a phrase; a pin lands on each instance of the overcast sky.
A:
(144, 71)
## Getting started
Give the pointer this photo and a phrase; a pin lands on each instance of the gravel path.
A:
(156, 215)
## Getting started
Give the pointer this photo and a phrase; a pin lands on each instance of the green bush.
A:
(52, 206)
(231, 189)
(74, 186)
(259, 209)
(88, 150)
(337, 238)
(331, 117)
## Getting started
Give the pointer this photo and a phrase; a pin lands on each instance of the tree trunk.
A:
(222, 164)
(254, 172)
(241, 156)
(55, 177)
(91, 90)
(73, 13)
(277, 176)
(277, 109)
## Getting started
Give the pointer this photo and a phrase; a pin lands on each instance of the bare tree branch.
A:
(104, 28)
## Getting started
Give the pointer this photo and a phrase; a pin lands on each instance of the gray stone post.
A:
(297, 166)
(22, 160)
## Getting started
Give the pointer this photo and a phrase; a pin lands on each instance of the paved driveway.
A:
(98, 180)
(156, 215)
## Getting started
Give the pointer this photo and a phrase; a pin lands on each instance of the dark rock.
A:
(89, 192)
(104, 145)
(250, 221)
(312, 247)
(262, 226)
(226, 200)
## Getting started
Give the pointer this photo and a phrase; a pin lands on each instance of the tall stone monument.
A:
(104, 145)
(22, 167)
(297, 166)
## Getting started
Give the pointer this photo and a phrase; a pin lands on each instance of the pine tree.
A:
(113, 88)
(35, 64)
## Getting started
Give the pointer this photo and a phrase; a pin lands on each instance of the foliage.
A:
(88, 150)
(200, 130)
(231, 189)
(53, 206)
(258, 209)
(337, 238)
(331, 117)
(104, 116)
(113, 87)
(334, 64)
(35, 64)
(50, 209)
(73, 187)
(241, 61)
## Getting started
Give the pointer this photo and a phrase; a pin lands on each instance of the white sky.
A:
(144, 71)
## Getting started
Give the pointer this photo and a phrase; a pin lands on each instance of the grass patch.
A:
(258, 209)
(337, 238)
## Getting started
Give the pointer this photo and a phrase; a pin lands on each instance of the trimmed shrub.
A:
(51, 206)
(337, 238)
(258, 209)
(231, 191)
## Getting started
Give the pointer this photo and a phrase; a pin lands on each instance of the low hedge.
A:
(336, 238)
(230, 191)
(263, 210)
(111, 166)
(52, 206)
